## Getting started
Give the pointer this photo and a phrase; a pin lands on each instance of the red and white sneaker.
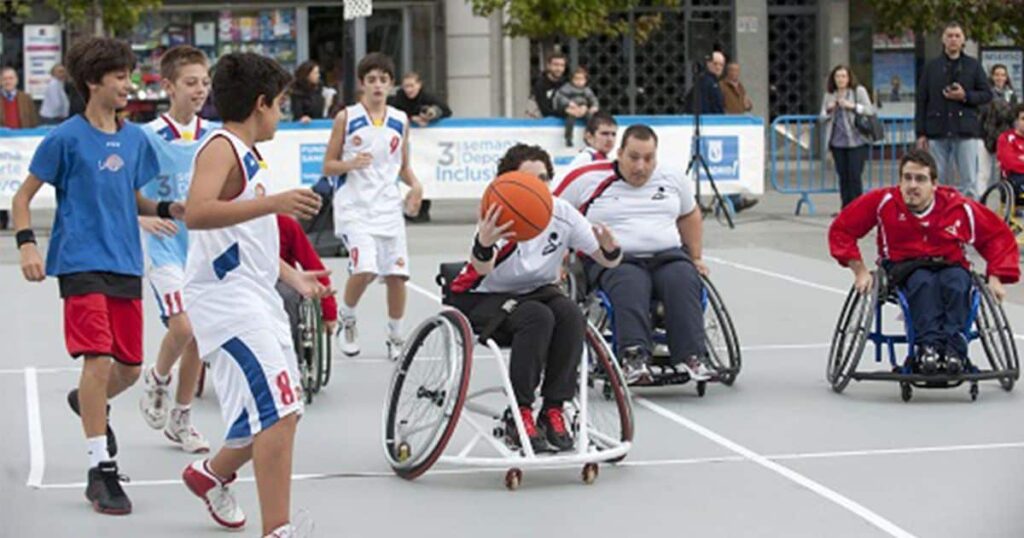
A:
(218, 498)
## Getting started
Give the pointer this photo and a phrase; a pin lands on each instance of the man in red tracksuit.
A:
(923, 232)
(297, 251)
(1010, 152)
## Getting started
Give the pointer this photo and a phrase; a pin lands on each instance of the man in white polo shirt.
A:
(653, 214)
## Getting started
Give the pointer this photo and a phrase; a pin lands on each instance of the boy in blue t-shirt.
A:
(175, 136)
(96, 165)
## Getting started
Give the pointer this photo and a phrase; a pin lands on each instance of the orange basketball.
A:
(524, 199)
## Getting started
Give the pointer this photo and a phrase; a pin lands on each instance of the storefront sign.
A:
(456, 158)
(42, 50)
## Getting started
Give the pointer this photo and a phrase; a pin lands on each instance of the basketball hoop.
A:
(358, 8)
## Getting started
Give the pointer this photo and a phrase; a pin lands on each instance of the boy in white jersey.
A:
(239, 321)
(175, 136)
(368, 152)
(600, 139)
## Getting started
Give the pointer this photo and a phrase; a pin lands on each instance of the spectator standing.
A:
(713, 102)
(548, 84)
(951, 89)
(18, 110)
(996, 118)
(56, 107)
(421, 107)
(577, 100)
(307, 96)
(845, 98)
(734, 95)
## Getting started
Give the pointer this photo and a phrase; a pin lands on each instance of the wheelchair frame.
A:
(728, 370)
(862, 316)
(592, 446)
(1001, 198)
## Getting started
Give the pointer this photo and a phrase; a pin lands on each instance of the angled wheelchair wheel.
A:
(608, 403)
(326, 343)
(996, 335)
(720, 334)
(1001, 199)
(428, 390)
(851, 333)
(309, 325)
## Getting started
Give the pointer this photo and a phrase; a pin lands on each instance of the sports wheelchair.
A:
(719, 332)
(430, 389)
(313, 350)
(1002, 199)
(861, 321)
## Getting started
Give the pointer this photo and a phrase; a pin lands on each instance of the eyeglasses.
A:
(920, 178)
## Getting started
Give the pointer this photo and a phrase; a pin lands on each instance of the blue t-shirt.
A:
(95, 174)
(175, 151)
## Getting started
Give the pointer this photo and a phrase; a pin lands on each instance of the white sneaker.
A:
(218, 498)
(697, 369)
(155, 399)
(348, 335)
(301, 526)
(395, 347)
(180, 431)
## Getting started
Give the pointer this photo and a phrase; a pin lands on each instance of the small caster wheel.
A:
(702, 387)
(974, 391)
(590, 472)
(498, 432)
(906, 392)
(513, 478)
(404, 451)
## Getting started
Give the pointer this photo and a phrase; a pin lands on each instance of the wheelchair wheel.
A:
(427, 392)
(201, 382)
(851, 333)
(309, 364)
(1000, 198)
(608, 403)
(720, 334)
(996, 335)
(326, 343)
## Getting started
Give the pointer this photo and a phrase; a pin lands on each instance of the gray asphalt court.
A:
(777, 454)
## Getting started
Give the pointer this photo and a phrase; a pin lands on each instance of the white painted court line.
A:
(37, 455)
(856, 508)
(423, 291)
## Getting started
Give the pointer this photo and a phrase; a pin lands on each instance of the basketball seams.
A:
(523, 218)
(531, 191)
(495, 193)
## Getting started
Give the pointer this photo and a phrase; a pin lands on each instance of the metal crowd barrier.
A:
(801, 164)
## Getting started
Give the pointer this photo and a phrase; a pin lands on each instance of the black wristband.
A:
(481, 252)
(163, 210)
(25, 236)
(612, 254)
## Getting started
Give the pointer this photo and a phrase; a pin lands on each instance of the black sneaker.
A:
(954, 364)
(512, 434)
(104, 490)
(745, 203)
(552, 423)
(111, 438)
(927, 360)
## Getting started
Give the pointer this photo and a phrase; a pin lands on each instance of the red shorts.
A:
(96, 324)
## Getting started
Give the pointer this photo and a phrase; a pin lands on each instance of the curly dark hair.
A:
(375, 60)
(520, 153)
(241, 78)
(90, 59)
(923, 158)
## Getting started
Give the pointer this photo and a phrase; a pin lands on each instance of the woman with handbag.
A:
(844, 101)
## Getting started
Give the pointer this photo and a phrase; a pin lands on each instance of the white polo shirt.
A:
(521, 267)
(643, 218)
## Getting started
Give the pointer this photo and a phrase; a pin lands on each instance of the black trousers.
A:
(545, 336)
(940, 303)
(668, 276)
(850, 168)
(292, 299)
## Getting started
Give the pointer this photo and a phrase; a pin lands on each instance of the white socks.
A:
(346, 311)
(97, 450)
(395, 329)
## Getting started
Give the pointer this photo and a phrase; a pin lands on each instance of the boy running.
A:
(97, 165)
(239, 322)
(175, 137)
(367, 151)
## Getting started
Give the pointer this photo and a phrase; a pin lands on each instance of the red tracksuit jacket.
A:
(1009, 151)
(296, 249)
(953, 222)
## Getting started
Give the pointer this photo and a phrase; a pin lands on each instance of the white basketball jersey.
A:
(370, 197)
(231, 272)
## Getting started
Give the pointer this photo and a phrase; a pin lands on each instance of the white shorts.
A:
(168, 283)
(256, 377)
(377, 254)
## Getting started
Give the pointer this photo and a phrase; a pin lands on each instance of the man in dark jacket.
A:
(421, 107)
(548, 84)
(951, 89)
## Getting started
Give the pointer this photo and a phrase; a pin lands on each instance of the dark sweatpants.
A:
(544, 335)
(631, 287)
(940, 302)
(291, 299)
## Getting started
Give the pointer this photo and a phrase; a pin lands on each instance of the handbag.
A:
(869, 126)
